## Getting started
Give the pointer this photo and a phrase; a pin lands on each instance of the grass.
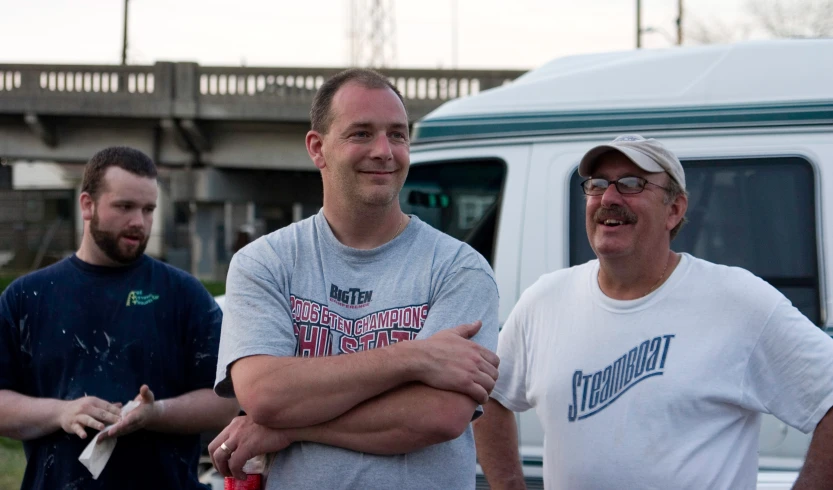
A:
(5, 281)
(216, 288)
(12, 464)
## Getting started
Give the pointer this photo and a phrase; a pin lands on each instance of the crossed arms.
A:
(390, 400)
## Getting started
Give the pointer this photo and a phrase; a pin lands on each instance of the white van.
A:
(752, 124)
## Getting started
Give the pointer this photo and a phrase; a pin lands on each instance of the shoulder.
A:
(553, 291)
(36, 279)
(270, 260)
(177, 275)
(180, 282)
(730, 283)
(278, 246)
(559, 283)
(450, 251)
(453, 260)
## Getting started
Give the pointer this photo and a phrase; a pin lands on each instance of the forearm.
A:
(817, 472)
(403, 420)
(496, 439)
(193, 412)
(23, 417)
(285, 393)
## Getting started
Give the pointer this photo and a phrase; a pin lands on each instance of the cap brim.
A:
(588, 162)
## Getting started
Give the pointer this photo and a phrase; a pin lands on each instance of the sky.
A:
(510, 34)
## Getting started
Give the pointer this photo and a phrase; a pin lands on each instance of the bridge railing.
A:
(292, 83)
(260, 92)
(136, 91)
(188, 90)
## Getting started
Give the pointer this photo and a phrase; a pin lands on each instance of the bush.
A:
(12, 464)
(216, 288)
(5, 281)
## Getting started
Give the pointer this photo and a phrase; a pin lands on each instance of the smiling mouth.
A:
(614, 216)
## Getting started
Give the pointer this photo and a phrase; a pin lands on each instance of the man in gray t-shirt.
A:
(359, 341)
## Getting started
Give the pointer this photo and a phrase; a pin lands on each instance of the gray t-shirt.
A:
(301, 292)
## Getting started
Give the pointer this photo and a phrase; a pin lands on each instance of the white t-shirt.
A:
(664, 391)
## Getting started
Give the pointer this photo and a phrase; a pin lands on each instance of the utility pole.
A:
(679, 22)
(124, 39)
(638, 24)
(454, 34)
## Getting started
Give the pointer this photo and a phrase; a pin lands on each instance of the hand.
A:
(89, 411)
(454, 363)
(244, 440)
(138, 418)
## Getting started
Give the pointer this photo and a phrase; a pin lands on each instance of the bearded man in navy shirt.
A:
(101, 328)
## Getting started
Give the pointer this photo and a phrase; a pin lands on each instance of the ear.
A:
(676, 211)
(315, 148)
(87, 206)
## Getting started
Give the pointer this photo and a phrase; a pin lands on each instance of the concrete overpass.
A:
(230, 139)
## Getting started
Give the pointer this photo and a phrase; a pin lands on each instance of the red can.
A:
(252, 482)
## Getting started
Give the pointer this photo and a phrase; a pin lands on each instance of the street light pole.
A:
(454, 34)
(638, 24)
(124, 39)
(679, 22)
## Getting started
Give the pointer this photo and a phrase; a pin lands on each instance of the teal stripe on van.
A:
(533, 124)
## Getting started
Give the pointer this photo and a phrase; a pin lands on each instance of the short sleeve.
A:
(465, 296)
(257, 319)
(203, 341)
(10, 346)
(790, 371)
(510, 389)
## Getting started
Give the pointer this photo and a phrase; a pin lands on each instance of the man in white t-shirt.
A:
(649, 368)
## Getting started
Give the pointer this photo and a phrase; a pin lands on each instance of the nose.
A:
(382, 148)
(611, 196)
(136, 220)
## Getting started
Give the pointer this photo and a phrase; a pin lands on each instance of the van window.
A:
(757, 213)
(460, 198)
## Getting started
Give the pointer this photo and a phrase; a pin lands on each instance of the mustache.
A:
(615, 212)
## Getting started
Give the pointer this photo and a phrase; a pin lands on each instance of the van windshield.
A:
(460, 198)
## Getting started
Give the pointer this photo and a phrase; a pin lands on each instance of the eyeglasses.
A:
(625, 185)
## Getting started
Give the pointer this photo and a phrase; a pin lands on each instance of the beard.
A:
(108, 242)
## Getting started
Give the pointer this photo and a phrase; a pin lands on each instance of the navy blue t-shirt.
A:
(73, 329)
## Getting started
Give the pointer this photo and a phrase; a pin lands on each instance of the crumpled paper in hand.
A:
(95, 456)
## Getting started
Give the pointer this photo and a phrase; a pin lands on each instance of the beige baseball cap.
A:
(648, 154)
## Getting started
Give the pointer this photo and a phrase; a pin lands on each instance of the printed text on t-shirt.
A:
(351, 298)
(595, 391)
(320, 331)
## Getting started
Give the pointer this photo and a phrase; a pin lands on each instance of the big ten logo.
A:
(351, 297)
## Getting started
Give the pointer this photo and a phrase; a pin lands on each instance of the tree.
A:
(715, 31)
(768, 18)
(802, 18)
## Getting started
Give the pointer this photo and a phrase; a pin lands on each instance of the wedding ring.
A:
(225, 448)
